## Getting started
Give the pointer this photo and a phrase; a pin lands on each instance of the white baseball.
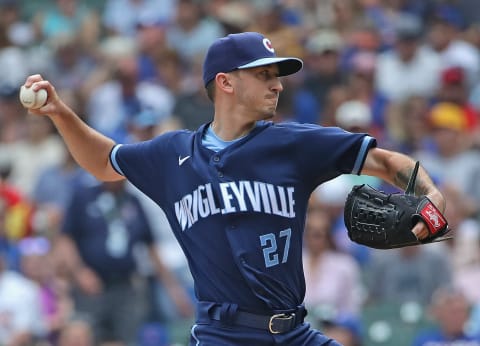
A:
(32, 99)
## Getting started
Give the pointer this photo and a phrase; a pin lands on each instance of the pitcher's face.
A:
(258, 89)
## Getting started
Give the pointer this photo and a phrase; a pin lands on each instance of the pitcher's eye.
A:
(267, 74)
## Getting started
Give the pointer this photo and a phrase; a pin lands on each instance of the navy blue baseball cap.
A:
(245, 50)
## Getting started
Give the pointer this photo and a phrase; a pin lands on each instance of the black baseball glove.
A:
(385, 221)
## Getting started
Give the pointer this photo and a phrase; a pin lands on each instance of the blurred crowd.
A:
(89, 263)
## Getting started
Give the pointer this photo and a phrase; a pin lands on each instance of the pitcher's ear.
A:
(223, 82)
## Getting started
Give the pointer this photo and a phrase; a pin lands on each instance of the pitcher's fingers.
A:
(420, 230)
(33, 79)
(41, 84)
(45, 84)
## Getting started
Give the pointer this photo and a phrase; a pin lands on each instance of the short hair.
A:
(210, 88)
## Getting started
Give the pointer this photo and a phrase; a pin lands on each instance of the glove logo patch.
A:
(433, 217)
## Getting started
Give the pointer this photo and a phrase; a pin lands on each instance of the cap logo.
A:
(268, 45)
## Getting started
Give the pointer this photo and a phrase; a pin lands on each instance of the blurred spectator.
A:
(405, 275)
(121, 17)
(454, 88)
(30, 155)
(153, 334)
(345, 329)
(453, 160)
(37, 265)
(192, 32)
(152, 44)
(143, 126)
(365, 38)
(450, 311)
(461, 212)
(16, 209)
(312, 14)
(345, 16)
(467, 274)
(105, 227)
(322, 74)
(9, 248)
(385, 16)
(70, 65)
(113, 102)
(268, 19)
(337, 95)
(468, 9)
(77, 332)
(53, 187)
(361, 86)
(14, 64)
(474, 97)
(235, 16)
(68, 18)
(472, 34)
(410, 68)
(110, 51)
(474, 322)
(53, 191)
(332, 278)
(192, 106)
(14, 25)
(21, 321)
(12, 115)
(445, 29)
(354, 116)
(171, 74)
(407, 125)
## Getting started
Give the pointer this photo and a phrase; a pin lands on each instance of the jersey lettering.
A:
(269, 245)
(239, 196)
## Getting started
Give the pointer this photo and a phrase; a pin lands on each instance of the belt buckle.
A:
(280, 317)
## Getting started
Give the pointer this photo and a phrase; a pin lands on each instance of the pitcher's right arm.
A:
(90, 148)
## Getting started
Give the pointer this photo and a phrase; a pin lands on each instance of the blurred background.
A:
(84, 263)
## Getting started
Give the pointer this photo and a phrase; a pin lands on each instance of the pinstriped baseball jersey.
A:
(239, 213)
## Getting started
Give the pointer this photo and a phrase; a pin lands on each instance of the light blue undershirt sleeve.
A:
(362, 153)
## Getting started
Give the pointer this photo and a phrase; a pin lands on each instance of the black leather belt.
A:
(275, 324)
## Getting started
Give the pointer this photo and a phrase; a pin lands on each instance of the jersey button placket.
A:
(216, 160)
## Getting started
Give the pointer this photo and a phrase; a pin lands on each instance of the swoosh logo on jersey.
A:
(182, 160)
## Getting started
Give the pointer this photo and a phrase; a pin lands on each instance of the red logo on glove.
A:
(434, 219)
